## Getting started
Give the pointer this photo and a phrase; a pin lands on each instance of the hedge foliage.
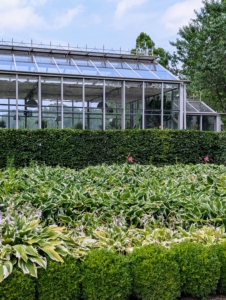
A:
(17, 287)
(150, 272)
(220, 249)
(155, 274)
(199, 268)
(59, 281)
(79, 148)
(106, 276)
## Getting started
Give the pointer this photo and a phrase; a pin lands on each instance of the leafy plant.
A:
(199, 268)
(105, 276)
(155, 273)
(17, 286)
(60, 280)
(25, 243)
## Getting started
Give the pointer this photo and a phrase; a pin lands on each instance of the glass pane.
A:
(28, 104)
(68, 70)
(133, 104)
(170, 119)
(82, 62)
(51, 102)
(193, 122)
(128, 73)
(7, 101)
(47, 68)
(200, 106)
(208, 123)
(108, 72)
(190, 108)
(66, 66)
(9, 65)
(94, 104)
(152, 105)
(146, 74)
(89, 71)
(137, 66)
(28, 67)
(113, 97)
(73, 103)
(153, 120)
(164, 75)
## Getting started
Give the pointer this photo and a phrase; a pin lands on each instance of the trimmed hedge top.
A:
(80, 148)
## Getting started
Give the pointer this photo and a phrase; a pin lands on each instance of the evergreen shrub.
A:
(221, 253)
(17, 286)
(59, 280)
(80, 148)
(155, 274)
(105, 276)
(199, 268)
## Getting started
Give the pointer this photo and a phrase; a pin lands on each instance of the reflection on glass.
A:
(152, 105)
(6, 62)
(28, 102)
(133, 104)
(73, 103)
(94, 104)
(7, 101)
(208, 123)
(46, 64)
(113, 97)
(66, 66)
(193, 122)
(51, 102)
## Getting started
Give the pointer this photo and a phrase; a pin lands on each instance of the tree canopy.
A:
(145, 45)
(201, 48)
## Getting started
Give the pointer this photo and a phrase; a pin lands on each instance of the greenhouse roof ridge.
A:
(70, 51)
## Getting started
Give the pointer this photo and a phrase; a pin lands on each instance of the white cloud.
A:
(125, 5)
(18, 14)
(21, 14)
(179, 14)
(67, 17)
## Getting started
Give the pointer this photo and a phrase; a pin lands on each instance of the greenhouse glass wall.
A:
(46, 87)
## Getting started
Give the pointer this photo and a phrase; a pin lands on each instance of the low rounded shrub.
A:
(60, 280)
(17, 286)
(221, 253)
(105, 276)
(155, 274)
(199, 268)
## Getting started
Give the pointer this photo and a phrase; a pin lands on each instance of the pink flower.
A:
(206, 158)
(130, 158)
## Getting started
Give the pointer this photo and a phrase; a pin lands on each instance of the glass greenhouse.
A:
(46, 87)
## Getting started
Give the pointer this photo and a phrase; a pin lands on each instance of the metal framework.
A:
(47, 87)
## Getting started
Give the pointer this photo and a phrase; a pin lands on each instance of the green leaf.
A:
(50, 250)
(209, 180)
(20, 252)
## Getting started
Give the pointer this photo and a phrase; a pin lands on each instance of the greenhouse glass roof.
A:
(197, 107)
(87, 64)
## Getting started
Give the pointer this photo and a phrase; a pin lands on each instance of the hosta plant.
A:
(25, 243)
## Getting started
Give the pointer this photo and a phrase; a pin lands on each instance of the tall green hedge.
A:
(77, 148)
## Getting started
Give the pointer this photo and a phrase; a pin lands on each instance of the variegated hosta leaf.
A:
(6, 268)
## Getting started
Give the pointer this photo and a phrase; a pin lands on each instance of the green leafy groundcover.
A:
(49, 212)
(123, 206)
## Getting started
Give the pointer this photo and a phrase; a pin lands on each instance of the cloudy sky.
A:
(112, 23)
